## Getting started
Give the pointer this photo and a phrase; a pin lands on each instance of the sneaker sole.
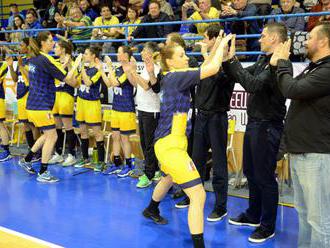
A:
(261, 240)
(242, 224)
(45, 181)
(144, 186)
(5, 159)
(216, 219)
(123, 175)
(181, 206)
(148, 216)
(113, 172)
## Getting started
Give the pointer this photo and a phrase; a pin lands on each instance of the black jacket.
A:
(214, 94)
(307, 127)
(158, 31)
(265, 101)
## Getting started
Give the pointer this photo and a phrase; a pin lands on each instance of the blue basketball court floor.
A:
(87, 209)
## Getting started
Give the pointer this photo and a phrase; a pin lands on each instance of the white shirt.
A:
(147, 101)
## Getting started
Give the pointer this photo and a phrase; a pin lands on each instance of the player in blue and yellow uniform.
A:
(43, 70)
(20, 76)
(123, 119)
(5, 154)
(64, 107)
(89, 107)
(173, 129)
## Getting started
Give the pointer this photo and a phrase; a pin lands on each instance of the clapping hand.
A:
(282, 51)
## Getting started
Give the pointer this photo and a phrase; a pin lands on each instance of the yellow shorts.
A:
(89, 112)
(171, 152)
(125, 122)
(43, 119)
(2, 109)
(64, 105)
(21, 109)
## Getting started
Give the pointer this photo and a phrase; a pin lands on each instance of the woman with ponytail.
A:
(173, 129)
(43, 70)
(63, 107)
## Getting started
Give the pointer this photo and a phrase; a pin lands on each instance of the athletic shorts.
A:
(64, 105)
(2, 109)
(42, 119)
(125, 122)
(171, 152)
(21, 108)
(89, 112)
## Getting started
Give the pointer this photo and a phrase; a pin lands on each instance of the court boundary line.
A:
(28, 237)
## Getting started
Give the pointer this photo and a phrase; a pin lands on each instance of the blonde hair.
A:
(166, 53)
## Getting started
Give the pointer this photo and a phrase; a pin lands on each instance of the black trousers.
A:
(211, 131)
(260, 148)
(147, 124)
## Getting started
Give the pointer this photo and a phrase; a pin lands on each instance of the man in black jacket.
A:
(211, 126)
(266, 111)
(307, 135)
(156, 31)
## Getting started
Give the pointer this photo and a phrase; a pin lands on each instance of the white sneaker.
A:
(69, 161)
(56, 158)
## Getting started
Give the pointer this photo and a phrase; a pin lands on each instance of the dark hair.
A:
(95, 50)
(26, 40)
(166, 53)
(13, 5)
(177, 38)
(105, 6)
(153, 46)
(154, 1)
(131, 6)
(325, 30)
(33, 12)
(19, 17)
(278, 28)
(66, 45)
(128, 50)
(35, 44)
(213, 31)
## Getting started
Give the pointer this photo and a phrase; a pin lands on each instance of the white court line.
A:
(36, 240)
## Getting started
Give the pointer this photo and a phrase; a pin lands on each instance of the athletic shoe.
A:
(184, 203)
(216, 215)
(112, 169)
(27, 166)
(157, 176)
(81, 163)
(46, 177)
(56, 158)
(99, 167)
(69, 161)
(243, 220)
(261, 235)
(5, 155)
(36, 157)
(178, 193)
(125, 171)
(155, 217)
(144, 182)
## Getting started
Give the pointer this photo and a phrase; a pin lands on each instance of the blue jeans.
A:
(311, 184)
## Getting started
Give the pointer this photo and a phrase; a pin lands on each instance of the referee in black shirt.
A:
(266, 111)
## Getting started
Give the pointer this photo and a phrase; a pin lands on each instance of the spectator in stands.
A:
(49, 19)
(292, 23)
(204, 11)
(77, 19)
(155, 15)
(264, 7)
(14, 12)
(18, 25)
(87, 10)
(241, 8)
(119, 10)
(105, 33)
(40, 4)
(132, 18)
(59, 23)
(166, 8)
(324, 5)
(31, 22)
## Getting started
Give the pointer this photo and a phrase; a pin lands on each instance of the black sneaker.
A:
(179, 193)
(155, 217)
(27, 166)
(260, 235)
(242, 220)
(217, 215)
(184, 203)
